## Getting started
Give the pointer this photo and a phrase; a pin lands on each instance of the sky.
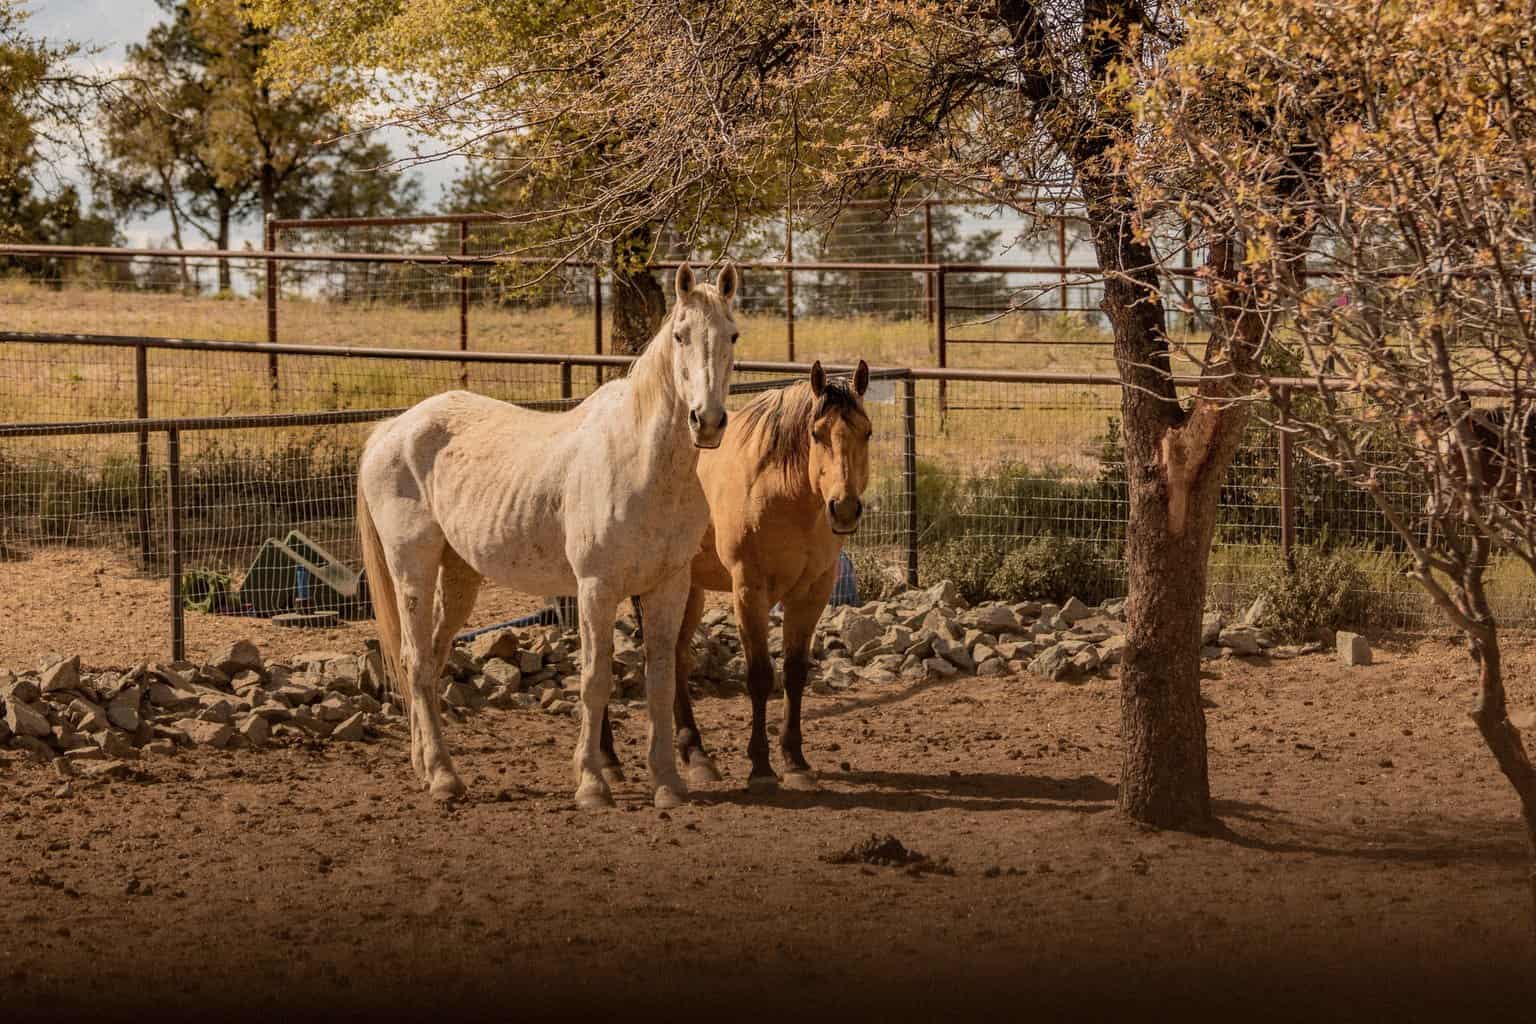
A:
(107, 27)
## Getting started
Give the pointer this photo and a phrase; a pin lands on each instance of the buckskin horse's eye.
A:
(734, 336)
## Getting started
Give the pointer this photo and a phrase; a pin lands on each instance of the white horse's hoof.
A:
(702, 769)
(668, 797)
(447, 786)
(800, 781)
(593, 797)
(613, 775)
(763, 784)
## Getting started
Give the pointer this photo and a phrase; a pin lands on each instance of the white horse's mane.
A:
(650, 375)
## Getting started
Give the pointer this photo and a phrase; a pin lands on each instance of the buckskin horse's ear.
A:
(861, 378)
(818, 379)
(683, 283)
(728, 281)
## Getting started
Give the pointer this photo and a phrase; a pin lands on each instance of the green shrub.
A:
(878, 578)
(1055, 568)
(968, 561)
(1321, 591)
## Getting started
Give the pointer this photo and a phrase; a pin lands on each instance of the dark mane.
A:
(779, 423)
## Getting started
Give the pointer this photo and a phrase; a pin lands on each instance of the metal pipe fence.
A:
(961, 456)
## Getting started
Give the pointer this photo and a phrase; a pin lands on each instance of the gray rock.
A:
(1242, 641)
(26, 719)
(460, 695)
(898, 639)
(1112, 649)
(944, 594)
(858, 630)
(88, 716)
(1257, 612)
(272, 713)
(254, 729)
(503, 673)
(1053, 663)
(954, 652)
(1086, 660)
(240, 656)
(350, 730)
(939, 667)
(529, 662)
(114, 744)
(561, 707)
(1115, 609)
(502, 644)
(208, 734)
(23, 689)
(123, 710)
(1025, 610)
(993, 666)
(1210, 628)
(61, 675)
(995, 618)
(220, 711)
(1353, 648)
(1074, 610)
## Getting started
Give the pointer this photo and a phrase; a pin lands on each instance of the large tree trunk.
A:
(638, 301)
(1175, 464)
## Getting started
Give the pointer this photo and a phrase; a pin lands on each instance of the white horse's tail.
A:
(386, 609)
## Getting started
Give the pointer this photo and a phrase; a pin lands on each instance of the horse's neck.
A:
(659, 416)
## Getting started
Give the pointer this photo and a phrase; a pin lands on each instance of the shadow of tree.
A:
(915, 791)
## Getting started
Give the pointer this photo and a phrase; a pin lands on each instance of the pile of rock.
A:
(95, 721)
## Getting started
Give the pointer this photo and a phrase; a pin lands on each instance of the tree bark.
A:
(639, 304)
(1492, 711)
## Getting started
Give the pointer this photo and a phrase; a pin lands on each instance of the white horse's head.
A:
(704, 333)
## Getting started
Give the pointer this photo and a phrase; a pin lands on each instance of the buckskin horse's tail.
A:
(386, 609)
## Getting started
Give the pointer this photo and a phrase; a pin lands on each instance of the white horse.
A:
(602, 502)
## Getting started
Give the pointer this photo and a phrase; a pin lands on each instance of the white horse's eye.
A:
(678, 337)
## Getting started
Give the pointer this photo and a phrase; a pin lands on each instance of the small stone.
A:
(1257, 612)
(944, 594)
(351, 730)
(159, 748)
(123, 709)
(1242, 641)
(23, 689)
(208, 734)
(503, 673)
(1053, 663)
(940, 667)
(460, 695)
(26, 719)
(501, 644)
(1074, 610)
(61, 675)
(995, 618)
(1353, 649)
(255, 729)
(858, 630)
(240, 656)
(529, 662)
(115, 745)
(993, 666)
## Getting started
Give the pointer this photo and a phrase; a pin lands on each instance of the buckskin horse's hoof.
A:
(667, 797)
(763, 783)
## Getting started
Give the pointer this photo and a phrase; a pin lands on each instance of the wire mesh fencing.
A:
(86, 467)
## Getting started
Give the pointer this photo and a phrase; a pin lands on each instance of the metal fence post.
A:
(1061, 257)
(909, 470)
(269, 243)
(464, 273)
(941, 325)
(141, 410)
(928, 257)
(1287, 485)
(789, 288)
(597, 317)
(565, 381)
(173, 541)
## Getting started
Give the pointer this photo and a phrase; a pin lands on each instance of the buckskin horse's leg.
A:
(801, 612)
(690, 742)
(752, 618)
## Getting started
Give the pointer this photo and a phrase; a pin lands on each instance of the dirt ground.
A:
(99, 605)
(1369, 865)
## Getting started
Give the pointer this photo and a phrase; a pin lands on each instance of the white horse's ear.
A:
(818, 379)
(861, 378)
(728, 281)
(683, 283)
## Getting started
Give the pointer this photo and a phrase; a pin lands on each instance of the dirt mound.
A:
(888, 851)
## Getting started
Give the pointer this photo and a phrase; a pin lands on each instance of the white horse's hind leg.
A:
(417, 655)
(597, 605)
(663, 609)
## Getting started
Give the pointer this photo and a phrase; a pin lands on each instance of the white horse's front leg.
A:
(663, 609)
(597, 606)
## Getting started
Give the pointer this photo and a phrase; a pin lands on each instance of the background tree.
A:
(1424, 205)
